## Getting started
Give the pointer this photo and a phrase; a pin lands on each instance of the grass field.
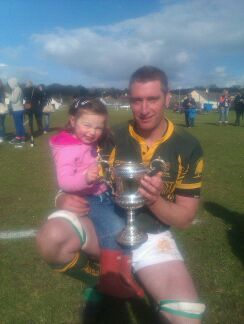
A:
(213, 248)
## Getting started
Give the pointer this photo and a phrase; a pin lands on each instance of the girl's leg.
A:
(108, 220)
(116, 276)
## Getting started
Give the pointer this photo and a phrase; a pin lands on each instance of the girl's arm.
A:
(70, 178)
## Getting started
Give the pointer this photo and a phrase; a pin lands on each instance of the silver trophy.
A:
(125, 179)
(127, 196)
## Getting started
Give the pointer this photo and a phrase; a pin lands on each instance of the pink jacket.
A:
(72, 158)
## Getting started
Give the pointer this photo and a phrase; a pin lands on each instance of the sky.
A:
(99, 43)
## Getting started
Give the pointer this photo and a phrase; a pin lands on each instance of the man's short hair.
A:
(149, 73)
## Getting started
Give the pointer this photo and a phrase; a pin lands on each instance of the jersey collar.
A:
(165, 137)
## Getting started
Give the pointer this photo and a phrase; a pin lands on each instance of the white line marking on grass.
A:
(15, 235)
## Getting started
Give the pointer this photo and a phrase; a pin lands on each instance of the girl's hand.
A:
(92, 174)
(151, 187)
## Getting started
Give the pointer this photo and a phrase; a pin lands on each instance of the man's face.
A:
(147, 101)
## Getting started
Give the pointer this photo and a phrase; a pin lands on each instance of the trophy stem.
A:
(130, 236)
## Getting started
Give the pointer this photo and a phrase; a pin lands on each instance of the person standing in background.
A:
(3, 115)
(32, 97)
(239, 107)
(44, 100)
(17, 109)
(189, 106)
(224, 107)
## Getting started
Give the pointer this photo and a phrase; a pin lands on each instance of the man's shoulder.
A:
(184, 139)
(121, 128)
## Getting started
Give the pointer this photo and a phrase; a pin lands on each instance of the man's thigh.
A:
(59, 237)
(168, 280)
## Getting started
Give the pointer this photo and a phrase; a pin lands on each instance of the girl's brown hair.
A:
(82, 105)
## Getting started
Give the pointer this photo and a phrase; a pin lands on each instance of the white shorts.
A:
(157, 249)
(73, 220)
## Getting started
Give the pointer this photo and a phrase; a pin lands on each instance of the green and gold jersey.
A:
(180, 151)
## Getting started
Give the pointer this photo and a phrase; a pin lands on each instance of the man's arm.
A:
(73, 203)
(179, 214)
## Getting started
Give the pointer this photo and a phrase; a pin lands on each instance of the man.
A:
(239, 107)
(189, 106)
(17, 109)
(32, 99)
(172, 200)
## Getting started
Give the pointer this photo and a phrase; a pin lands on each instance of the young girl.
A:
(75, 154)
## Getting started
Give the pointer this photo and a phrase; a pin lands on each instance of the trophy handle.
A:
(153, 169)
(106, 172)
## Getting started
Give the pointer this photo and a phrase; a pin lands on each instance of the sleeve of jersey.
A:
(189, 179)
(69, 178)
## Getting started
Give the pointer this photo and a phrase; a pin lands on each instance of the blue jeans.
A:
(108, 219)
(18, 117)
(223, 114)
(2, 125)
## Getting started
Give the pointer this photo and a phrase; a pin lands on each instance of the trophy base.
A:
(131, 237)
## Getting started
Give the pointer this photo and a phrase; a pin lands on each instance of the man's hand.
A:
(151, 187)
(73, 203)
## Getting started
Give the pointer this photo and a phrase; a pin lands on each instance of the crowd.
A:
(225, 103)
(24, 103)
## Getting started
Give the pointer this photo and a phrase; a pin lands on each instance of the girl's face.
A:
(88, 127)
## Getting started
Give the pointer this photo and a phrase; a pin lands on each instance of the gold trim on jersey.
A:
(182, 173)
(70, 265)
(199, 169)
(148, 152)
(189, 185)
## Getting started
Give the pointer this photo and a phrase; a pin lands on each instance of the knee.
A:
(51, 237)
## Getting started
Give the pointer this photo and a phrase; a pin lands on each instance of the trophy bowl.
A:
(124, 181)
(127, 176)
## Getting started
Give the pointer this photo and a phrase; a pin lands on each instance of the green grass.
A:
(213, 247)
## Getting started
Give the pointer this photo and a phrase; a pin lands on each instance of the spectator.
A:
(17, 110)
(189, 106)
(44, 100)
(238, 107)
(224, 106)
(32, 98)
(2, 115)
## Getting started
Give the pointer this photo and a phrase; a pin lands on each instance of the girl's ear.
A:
(72, 121)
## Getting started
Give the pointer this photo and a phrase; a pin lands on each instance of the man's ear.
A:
(167, 99)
